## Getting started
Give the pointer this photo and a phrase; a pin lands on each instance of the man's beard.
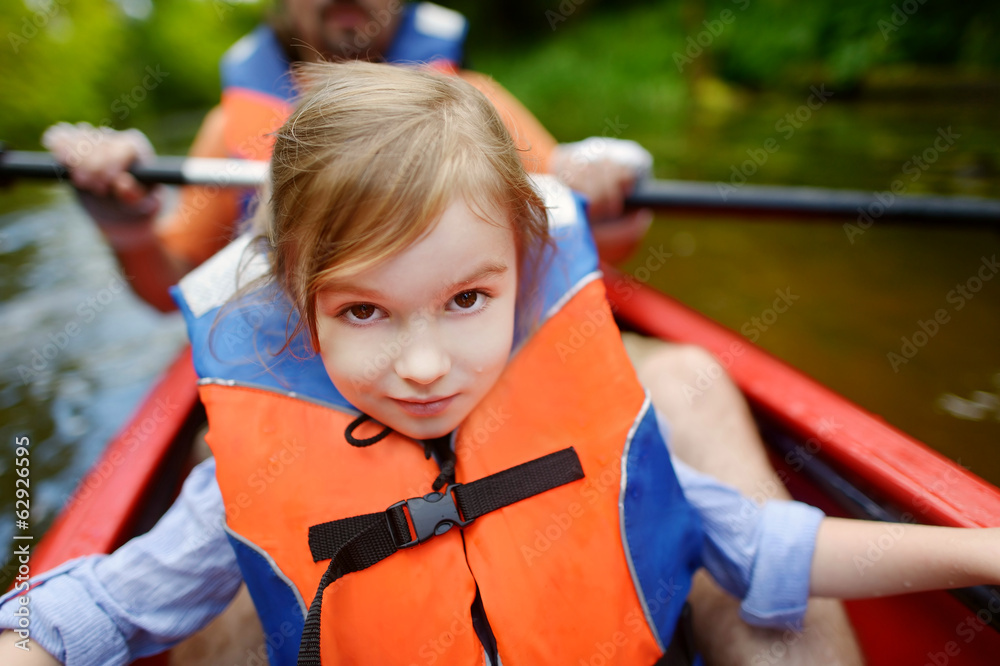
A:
(357, 42)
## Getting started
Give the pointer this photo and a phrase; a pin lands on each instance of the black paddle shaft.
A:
(165, 170)
(664, 195)
(39, 165)
(866, 208)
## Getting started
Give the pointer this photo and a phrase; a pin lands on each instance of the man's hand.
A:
(98, 159)
(605, 171)
(617, 239)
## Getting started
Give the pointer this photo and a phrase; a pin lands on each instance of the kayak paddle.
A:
(664, 195)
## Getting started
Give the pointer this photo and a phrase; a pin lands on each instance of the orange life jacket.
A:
(592, 572)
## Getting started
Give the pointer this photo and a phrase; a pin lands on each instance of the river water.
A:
(903, 320)
(78, 351)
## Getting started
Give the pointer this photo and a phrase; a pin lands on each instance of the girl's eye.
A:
(360, 312)
(468, 301)
(363, 311)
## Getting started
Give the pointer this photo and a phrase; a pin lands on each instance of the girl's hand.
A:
(855, 559)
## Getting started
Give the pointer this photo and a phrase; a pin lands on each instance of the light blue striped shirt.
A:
(164, 585)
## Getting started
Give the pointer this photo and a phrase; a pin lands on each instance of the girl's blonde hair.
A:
(370, 160)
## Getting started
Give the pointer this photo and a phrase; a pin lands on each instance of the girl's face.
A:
(417, 341)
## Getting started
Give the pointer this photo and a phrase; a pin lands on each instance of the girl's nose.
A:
(424, 360)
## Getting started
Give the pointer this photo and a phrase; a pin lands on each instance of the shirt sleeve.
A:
(761, 554)
(148, 595)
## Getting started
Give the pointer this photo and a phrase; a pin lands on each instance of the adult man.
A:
(258, 90)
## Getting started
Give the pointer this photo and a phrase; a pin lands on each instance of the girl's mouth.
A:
(429, 407)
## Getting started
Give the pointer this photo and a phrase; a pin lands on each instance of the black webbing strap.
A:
(517, 483)
(356, 543)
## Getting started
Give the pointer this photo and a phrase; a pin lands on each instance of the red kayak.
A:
(830, 452)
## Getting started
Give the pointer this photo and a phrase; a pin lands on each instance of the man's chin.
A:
(347, 48)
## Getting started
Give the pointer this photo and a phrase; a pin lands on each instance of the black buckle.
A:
(431, 515)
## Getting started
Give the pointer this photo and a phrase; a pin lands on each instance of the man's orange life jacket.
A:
(592, 572)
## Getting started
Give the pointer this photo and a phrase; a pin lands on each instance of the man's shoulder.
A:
(427, 33)
(258, 62)
(437, 21)
(251, 45)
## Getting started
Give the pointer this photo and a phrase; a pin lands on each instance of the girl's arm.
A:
(855, 558)
(146, 596)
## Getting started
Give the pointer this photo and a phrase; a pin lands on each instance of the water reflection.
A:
(77, 349)
(863, 296)
(858, 308)
(980, 406)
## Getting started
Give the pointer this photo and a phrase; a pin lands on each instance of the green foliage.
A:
(774, 43)
(187, 38)
(86, 60)
(577, 63)
(56, 58)
(590, 72)
(770, 43)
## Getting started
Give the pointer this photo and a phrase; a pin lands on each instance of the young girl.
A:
(430, 445)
